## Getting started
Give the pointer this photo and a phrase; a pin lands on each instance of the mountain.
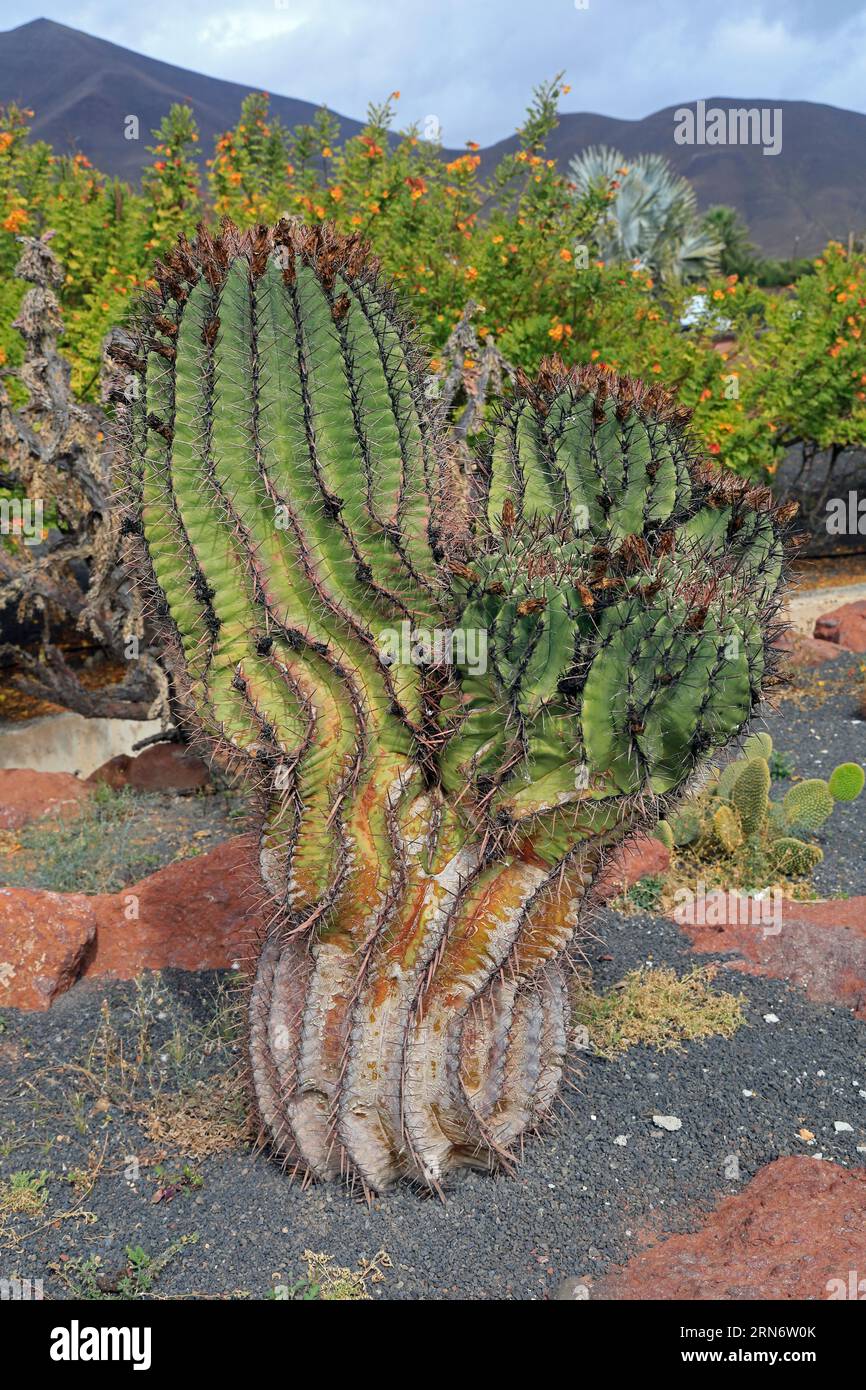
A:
(794, 202)
(81, 88)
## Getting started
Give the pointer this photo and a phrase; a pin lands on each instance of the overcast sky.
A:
(472, 63)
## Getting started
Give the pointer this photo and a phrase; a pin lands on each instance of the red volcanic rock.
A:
(847, 624)
(161, 767)
(44, 940)
(26, 796)
(639, 856)
(794, 1232)
(196, 914)
(827, 630)
(819, 946)
(803, 653)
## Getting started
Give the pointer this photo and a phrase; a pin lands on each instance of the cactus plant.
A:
(430, 830)
(750, 795)
(734, 815)
(809, 804)
(794, 858)
(728, 828)
(665, 835)
(846, 782)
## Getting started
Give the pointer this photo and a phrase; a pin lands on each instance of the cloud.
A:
(473, 63)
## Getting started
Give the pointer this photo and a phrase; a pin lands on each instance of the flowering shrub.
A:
(514, 238)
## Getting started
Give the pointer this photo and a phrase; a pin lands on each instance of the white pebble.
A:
(843, 1127)
(770, 1018)
(622, 1140)
(669, 1122)
(748, 1094)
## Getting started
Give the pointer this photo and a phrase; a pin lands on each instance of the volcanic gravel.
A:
(580, 1201)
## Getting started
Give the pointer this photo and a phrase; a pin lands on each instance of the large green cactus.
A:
(430, 829)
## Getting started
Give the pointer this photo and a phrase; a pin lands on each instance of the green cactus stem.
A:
(794, 858)
(750, 795)
(809, 804)
(727, 829)
(846, 782)
(430, 829)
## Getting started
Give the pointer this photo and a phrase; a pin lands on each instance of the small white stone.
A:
(771, 1018)
(669, 1122)
(622, 1140)
(748, 1094)
(843, 1127)
(862, 1095)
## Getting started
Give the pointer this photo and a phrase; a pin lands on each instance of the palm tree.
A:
(738, 256)
(653, 216)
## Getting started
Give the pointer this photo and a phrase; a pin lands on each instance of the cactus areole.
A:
(433, 813)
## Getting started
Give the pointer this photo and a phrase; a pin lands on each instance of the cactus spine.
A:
(430, 830)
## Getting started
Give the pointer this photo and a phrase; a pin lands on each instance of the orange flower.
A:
(15, 221)
(464, 163)
(327, 152)
(565, 254)
(336, 193)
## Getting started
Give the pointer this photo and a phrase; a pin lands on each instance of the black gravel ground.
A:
(584, 1196)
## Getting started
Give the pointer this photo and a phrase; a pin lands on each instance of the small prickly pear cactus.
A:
(432, 823)
(794, 858)
(846, 782)
(808, 804)
(750, 795)
(727, 828)
(735, 813)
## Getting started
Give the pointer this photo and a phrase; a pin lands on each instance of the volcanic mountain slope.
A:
(82, 88)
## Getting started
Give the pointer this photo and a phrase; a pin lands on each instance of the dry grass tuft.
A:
(658, 1008)
(209, 1117)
